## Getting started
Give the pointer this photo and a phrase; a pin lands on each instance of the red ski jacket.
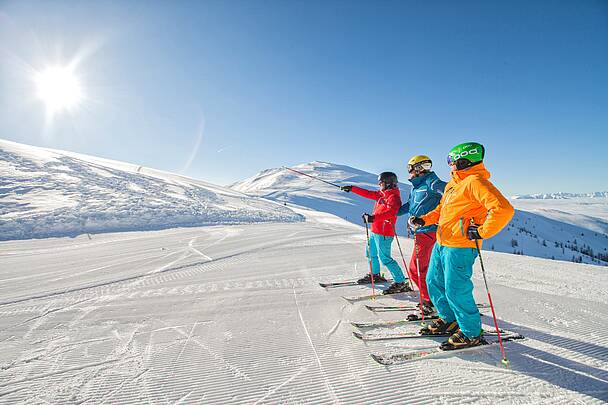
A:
(388, 203)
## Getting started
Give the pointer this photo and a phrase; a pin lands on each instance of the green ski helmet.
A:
(466, 155)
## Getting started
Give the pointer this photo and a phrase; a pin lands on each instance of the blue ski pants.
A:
(380, 247)
(451, 289)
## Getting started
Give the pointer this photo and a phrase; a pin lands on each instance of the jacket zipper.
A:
(462, 225)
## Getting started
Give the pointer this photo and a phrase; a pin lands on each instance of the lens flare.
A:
(59, 88)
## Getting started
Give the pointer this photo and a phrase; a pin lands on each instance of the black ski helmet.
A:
(388, 178)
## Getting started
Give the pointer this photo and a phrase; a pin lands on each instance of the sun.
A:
(59, 88)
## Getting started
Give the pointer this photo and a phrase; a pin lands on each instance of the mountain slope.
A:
(282, 185)
(46, 193)
(546, 232)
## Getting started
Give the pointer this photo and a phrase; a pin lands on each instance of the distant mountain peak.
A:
(560, 196)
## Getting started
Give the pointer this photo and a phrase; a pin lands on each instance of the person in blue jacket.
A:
(425, 196)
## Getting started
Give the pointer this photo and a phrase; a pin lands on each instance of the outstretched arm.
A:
(372, 195)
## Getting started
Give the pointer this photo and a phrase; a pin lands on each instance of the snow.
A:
(282, 185)
(560, 196)
(49, 193)
(168, 311)
(541, 228)
(234, 315)
(589, 213)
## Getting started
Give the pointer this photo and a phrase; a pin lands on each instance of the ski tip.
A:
(379, 359)
(358, 335)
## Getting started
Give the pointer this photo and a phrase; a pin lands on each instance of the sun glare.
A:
(59, 88)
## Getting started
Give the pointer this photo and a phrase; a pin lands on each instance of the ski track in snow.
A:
(240, 319)
(330, 389)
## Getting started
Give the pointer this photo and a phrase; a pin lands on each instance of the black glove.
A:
(368, 218)
(415, 222)
(473, 232)
(346, 188)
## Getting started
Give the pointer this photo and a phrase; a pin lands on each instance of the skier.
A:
(470, 209)
(383, 219)
(424, 197)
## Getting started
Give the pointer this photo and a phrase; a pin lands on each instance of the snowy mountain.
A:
(286, 186)
(560, 196)
(47, 193)
(544, 231)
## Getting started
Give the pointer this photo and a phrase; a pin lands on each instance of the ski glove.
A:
(473, 232)
(346, 188)
(368, 218)
(415, 222)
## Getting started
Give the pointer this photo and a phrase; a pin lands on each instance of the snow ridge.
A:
(47, 193)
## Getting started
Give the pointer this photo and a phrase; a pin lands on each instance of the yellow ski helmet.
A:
(419, 163)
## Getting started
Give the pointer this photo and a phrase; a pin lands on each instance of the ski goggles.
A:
(420, 166)
(460, 163)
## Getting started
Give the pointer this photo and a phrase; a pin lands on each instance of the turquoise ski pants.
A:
(451, 289)
(380, 246)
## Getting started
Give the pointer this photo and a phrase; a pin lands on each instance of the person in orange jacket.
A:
(383, 220)
(471, 209)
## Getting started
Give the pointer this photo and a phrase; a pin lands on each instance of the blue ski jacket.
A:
(424, 197)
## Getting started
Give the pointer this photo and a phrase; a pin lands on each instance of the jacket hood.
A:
(417, 181)
(480, 170)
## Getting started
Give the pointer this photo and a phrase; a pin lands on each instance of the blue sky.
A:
(259, 84)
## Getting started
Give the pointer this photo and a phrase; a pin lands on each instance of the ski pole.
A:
(369, 256)
(419, 280)
(403, 258)
(312, 177)
(483, 271)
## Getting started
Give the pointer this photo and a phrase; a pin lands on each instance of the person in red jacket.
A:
(383, 220)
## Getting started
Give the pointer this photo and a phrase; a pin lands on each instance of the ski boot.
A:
(459, 341)
(427, 309)
(440, 327)
(367, 279)
(396, 288)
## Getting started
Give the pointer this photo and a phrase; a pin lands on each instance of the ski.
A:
(388, 359)
(357, 298)
(378, 324)
(412, 335)
(339, 284)
(345, 284)
(393, 308)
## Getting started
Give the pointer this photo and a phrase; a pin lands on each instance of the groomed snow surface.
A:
(235, 315)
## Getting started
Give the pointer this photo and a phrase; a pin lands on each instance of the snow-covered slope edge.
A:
(51, 193)
(544, 233)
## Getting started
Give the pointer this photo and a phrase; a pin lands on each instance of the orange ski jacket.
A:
(469, 197)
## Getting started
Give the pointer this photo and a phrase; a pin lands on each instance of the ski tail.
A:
(339, 284)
